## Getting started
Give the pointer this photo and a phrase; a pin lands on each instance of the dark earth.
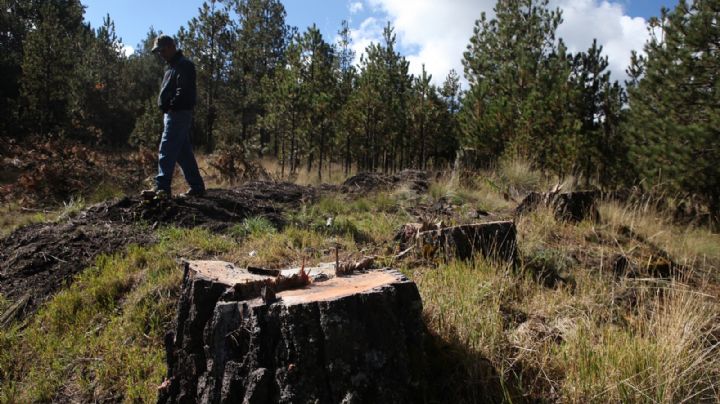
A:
(40, 259)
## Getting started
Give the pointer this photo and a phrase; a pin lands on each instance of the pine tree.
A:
(451, 91)
(259, 51)
(423, 115)
(318, 59)
(14, 26)
(674, 116)
(286, 108)
(346, 85)
(144, 76)
(208, 42)
(554, 138)
(519, 97)
(599, 108)
(101, 101)
(381, 105)
(449, 101)
(51, 52)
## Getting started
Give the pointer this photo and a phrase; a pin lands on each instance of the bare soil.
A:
(40, 259)
(369, 182)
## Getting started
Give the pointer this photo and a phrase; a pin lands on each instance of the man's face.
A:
(167, 52)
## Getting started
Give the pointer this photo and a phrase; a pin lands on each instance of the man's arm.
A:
(185, 87)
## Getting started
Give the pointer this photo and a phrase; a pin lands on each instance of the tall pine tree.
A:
(51, 51)
(599, 107)
(674, 118)
(261, 38)
(518, 104)
(208, 42)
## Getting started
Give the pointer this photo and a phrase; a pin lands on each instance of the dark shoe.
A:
(155, 194)
(193, 192)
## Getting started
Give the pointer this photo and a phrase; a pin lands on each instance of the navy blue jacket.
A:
(178, 91)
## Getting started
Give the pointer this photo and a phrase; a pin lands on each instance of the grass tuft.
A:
(253, 226)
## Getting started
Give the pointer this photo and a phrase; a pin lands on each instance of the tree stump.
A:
(494, 240)
(356, 338)
(570, 206)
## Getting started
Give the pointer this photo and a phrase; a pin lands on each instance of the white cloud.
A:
(618, 33)
(355, 7)
(437, 33)
(128, 50)
(370, 30)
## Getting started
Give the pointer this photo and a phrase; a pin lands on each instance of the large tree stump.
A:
(356, 338)
(570, 206)
(494, 240)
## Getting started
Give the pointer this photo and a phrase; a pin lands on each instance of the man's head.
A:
(165, 47)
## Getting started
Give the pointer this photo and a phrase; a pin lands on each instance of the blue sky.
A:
(431, 32)
(134, 17)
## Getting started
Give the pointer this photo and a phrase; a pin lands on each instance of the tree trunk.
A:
(293, 145)
(356, 338)
(494, 240)
(347, 154)
(322, 150)
(283, 153)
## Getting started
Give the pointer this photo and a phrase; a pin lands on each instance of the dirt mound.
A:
(217, 211)
(40, 259)
(285, 193)
(369, 181)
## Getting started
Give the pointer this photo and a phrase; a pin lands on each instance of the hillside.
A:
(623, 307)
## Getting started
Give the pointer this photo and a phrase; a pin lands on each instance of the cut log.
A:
(569, 206)
(356, 338)
(494, 240)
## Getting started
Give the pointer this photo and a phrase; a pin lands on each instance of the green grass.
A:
(15, 215)
(253, 226)
(104, 191)
(597, 339)
(12, 216)
(519, 175)
(101, 338)
(664, 358)
(665, 353)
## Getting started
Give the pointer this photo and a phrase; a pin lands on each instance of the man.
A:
(176, 100)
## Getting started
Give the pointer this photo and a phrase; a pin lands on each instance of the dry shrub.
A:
(233, 167)
(54, 170)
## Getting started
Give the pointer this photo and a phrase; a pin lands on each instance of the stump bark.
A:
(356, 338)
(494, 240)
(570, 206)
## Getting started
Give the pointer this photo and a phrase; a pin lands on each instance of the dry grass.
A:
(12, 216)
(589, 337)
(691, 245)
(592, 337)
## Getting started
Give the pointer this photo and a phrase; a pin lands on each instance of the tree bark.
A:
(357, 338)
(494, 240)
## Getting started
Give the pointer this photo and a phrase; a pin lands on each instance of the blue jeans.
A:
(175, 147)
